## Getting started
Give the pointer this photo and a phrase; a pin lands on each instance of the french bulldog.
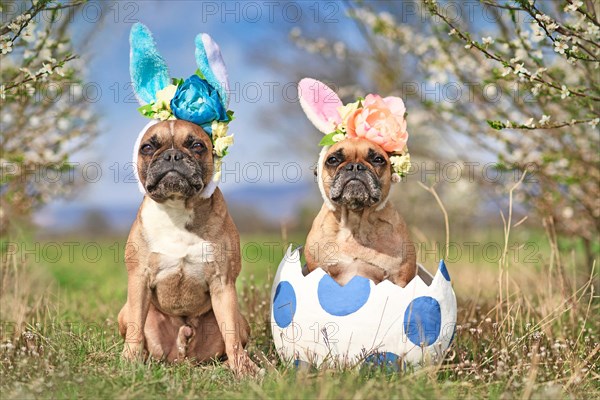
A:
(359, 232)
(183, 257)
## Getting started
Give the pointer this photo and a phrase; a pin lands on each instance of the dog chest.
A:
(165, 231)
(178, 261)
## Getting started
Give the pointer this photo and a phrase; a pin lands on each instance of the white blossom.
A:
(487, 40)
(7, 117)
(593, 123)
(560, 46)
(543, 18)
(592, 30)
(2, 92)
(63, 124)
(545, 119)
(567, 212)
(520, 70)
(45, 70)
(537, 73)
(6, 47)
(573, 6)
(28, 72)
(28, 34)
(564, 92)
(30, 89)
(387, 18)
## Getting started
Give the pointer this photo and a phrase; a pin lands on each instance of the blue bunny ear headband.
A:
(202, 98)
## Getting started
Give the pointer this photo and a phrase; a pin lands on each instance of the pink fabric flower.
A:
(381, 121)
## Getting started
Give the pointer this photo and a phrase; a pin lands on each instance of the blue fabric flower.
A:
(198, 102)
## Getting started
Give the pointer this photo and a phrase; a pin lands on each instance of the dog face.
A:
(175, 160)
(356, 173)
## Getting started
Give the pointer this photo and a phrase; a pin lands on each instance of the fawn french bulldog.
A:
(358, 231)
(183, 256)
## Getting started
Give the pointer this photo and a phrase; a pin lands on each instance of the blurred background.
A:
(502, 100)
(485, 104)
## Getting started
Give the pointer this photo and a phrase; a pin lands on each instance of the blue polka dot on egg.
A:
(444, 270)
(423, 320)
(343, 300)
(284, 304)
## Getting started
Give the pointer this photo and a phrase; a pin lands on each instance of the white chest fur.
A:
(164, 229)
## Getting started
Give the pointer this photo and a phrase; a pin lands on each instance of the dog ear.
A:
(320, 104)
(211, 64)
(147, 68)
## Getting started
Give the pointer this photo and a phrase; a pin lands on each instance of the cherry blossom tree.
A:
(45, 116)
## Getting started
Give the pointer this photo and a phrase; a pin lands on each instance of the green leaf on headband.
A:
(230, 115)
(146, 110)
(328, 139)
(176, 81)
(200, 74)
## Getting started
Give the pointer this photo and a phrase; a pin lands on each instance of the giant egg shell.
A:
(317, 321)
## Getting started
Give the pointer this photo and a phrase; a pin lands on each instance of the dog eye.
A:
(333, 160)
(147, 149)
(198, 146)
(379, 160)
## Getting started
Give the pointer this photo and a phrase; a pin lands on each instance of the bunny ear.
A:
(148, 69)
(320, 104)
(210, 62)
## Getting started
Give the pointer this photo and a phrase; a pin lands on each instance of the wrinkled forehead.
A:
(356, 148)
(175, 132)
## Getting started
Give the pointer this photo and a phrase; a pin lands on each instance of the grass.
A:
(525, 330)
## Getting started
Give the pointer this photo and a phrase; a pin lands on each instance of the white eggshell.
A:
(315, 320)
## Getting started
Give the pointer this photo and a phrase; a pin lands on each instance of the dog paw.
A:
(133, 352)
(242, 366)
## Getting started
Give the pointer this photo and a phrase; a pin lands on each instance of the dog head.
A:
(174, 160)
(356, 173)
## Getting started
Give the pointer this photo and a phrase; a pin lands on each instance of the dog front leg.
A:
(138, 303)
(226, 309)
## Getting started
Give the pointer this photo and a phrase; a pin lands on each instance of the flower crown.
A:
(376, 119)
(201, 99)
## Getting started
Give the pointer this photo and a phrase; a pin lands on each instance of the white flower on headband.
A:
(162, 105)
(338, 137)
(219, 129)
(221, 145)
(347, 111)
(400, 164)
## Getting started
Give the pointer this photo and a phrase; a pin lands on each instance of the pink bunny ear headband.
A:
(201, 99)
(376, 119)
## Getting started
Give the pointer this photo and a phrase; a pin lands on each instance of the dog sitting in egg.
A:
(362, 296)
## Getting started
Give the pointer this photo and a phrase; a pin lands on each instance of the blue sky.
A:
(249, 34)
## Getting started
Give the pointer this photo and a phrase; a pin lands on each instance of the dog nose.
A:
(355, 166)
(172, 155)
